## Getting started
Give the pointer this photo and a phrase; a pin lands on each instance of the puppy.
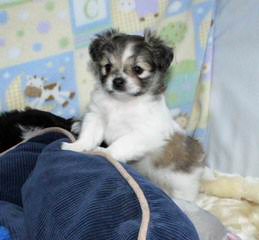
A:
(16, 126)
(128, 111)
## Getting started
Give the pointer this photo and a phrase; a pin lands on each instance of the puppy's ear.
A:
(101, 41)
(163, 55)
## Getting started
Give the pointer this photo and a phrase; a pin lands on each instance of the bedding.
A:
(234, 200)
(47, 193)
(239, 216)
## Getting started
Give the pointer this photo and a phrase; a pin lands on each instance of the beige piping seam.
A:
(143, 230)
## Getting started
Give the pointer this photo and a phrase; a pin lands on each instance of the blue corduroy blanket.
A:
(50, 194)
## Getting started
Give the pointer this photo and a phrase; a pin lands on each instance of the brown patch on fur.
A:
(181, 153)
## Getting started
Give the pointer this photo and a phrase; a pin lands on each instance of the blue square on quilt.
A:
(89, 14)
(87, 18)
(48, 84)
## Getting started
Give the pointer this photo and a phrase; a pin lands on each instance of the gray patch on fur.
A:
(151, 49)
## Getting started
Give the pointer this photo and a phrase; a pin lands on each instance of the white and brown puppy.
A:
(128, 111)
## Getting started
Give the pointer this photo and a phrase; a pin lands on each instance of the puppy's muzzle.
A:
(119, 84)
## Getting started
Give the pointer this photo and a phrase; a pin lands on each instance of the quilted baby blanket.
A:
(44, 51)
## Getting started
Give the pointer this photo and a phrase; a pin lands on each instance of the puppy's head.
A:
(130, 65)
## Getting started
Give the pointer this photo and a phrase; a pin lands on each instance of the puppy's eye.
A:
(138, 70)
(108, 67)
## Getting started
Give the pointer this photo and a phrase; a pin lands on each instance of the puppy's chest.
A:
(121, 120)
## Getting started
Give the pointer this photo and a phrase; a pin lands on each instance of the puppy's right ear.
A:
(102, 41)
(163, 55)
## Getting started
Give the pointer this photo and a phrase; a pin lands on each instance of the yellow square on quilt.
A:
(34, 30)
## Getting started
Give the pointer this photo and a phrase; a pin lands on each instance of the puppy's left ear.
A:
(163, 54)
(100, 43)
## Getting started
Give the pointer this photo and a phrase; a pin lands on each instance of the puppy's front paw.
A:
(75, 146)
(118, 154)
(101, 150)
(105, 151)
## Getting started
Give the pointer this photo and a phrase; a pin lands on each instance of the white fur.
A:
(75, 128)
(29, 132)
(125, 125)
(175, 183)
(145, 74)
(127, 53)
(135, 129)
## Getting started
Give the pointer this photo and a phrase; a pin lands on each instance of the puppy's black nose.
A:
(119, 84)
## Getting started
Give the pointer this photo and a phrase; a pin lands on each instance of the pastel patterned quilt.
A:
(44, 51)
(47, 193)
